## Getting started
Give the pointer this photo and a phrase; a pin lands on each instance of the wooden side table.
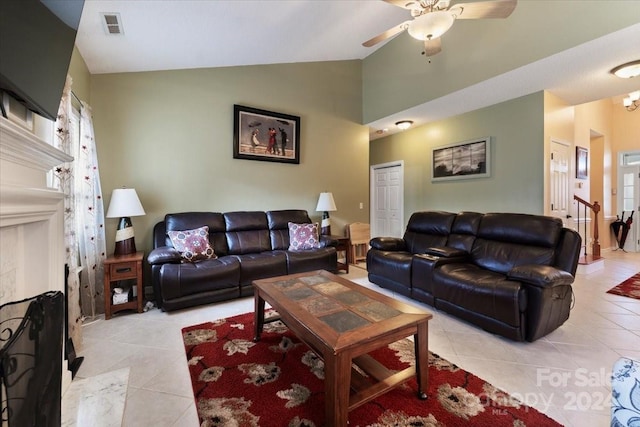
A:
(125, 268)
(344, 244)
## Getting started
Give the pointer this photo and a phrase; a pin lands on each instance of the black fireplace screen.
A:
(31, 360)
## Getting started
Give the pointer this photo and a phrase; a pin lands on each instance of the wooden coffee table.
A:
(342, 321)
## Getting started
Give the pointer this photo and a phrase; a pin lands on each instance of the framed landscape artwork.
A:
(462, 160)
(265, 135)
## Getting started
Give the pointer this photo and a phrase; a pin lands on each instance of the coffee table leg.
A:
(422, 359)
(337, 382)
(258, 319)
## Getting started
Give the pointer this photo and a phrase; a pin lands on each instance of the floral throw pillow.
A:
(192, 244)
(303, 236)
(625, 392)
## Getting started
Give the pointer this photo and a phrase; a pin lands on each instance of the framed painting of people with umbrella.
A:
(265, 135)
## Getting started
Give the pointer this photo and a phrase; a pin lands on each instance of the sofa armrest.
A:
(164, 255)
(447, 252)
(327, 242)
(543, 276)
(388, 244)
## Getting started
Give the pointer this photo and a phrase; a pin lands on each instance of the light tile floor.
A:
(565, 374)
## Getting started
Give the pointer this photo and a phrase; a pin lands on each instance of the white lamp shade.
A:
(430, 25)
(326, 203)
(124, 203)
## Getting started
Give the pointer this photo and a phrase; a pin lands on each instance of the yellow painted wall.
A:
(626, 138)
(626, 130)
(558, 126)
(594, 130)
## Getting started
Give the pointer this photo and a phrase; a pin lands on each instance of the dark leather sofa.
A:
(508, 273)
(248, 245)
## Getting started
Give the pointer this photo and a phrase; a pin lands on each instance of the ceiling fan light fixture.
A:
(430, 25)
(628, 70)
(404, 124)
(631, 102)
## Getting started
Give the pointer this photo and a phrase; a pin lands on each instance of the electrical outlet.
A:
(361, 205)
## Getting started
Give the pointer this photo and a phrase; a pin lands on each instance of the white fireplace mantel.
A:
(19, 146)
(31, 217)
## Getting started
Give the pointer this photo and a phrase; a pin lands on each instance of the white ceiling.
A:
(181, 34)
(176, 34)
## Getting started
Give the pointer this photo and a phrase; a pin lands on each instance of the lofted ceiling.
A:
(182, 34)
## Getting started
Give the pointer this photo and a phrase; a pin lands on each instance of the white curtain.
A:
(90, 219)
(64, 181)
(79, 180)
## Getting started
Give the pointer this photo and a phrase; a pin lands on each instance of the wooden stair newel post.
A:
(595, 247)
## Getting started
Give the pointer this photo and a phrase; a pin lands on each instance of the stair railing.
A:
(595, 208)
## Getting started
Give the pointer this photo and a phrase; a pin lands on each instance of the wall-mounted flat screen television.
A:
(36, 43)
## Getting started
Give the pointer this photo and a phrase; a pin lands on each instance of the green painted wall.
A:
(169, 135)
(397, 76)
(81, 78)
(516, 183)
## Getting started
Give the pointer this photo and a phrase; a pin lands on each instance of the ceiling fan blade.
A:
(386, 35)
(484, 9)
(432, 46)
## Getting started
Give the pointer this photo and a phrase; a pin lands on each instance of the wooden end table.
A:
(121, 268)
(341, 322)
(344, 245)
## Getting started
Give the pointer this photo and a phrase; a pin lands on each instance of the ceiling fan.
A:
(433, 18)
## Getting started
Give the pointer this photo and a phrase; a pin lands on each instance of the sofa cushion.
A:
(396, 265)
(464, 230)
(179, 280)
(312, 259)
(247, 232)
(428, 229)
(279, 225)
(525, 229)
(502, 257)
(262, 265)
(193, 245)
(303, 236)
(191, 220)
(480, 291)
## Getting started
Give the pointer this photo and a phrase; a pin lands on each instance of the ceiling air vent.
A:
(112, 23)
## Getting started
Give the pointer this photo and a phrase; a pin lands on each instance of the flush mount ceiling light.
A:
(404, 124)
(628, 70)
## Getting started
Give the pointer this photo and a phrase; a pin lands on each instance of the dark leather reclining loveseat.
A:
(508, 273)
(248, 246)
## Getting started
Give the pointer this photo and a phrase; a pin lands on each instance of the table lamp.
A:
(124, 204)
(326, 204)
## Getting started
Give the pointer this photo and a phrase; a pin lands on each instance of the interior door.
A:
(628, 201)
(387, 200)
(559, 165)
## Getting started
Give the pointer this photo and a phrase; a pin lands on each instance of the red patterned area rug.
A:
(279, 381)
(629, 288)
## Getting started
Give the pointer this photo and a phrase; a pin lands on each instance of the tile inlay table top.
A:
(342, 322)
